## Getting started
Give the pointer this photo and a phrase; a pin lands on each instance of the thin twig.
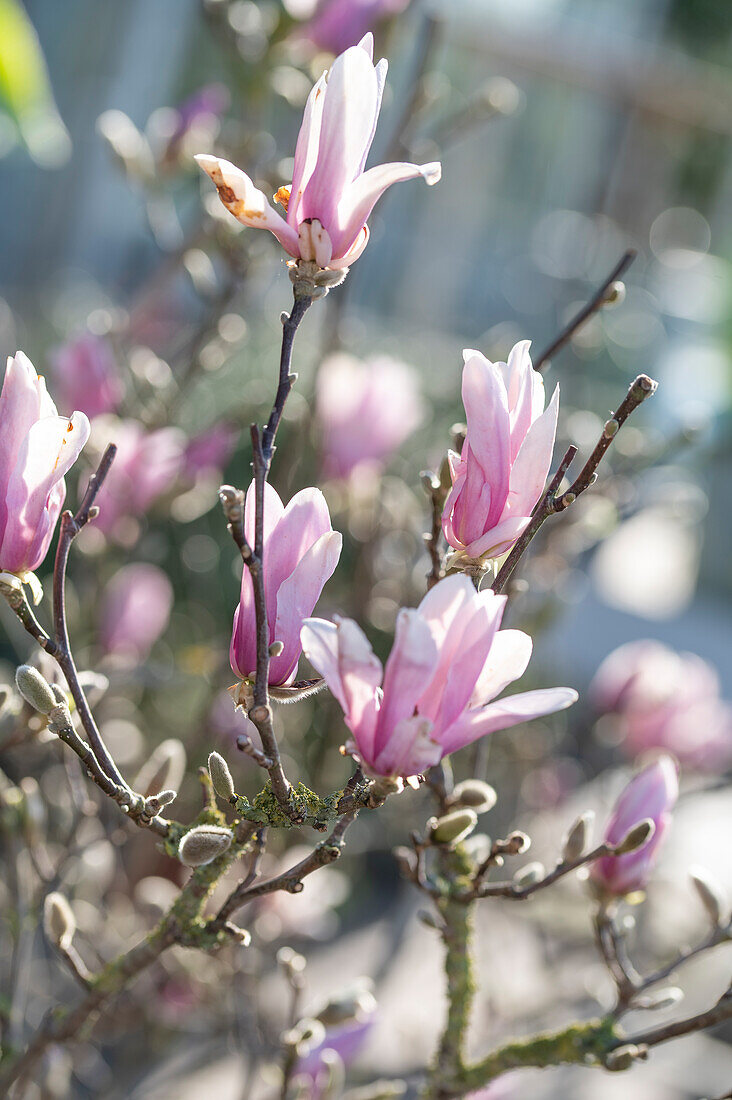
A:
(290, 880)
(71, 525)
(550, 503)
(598, 300)
(718, 1014)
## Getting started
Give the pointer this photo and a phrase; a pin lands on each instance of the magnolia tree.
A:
(405, 721)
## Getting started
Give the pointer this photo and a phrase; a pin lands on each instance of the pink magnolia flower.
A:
(448, 663)
(652, 793)
(666, 700)
(366, 411)
(86, 376)
(135, 610)
(331, 196)
(146, 466)
(337, 24)
(502, 470)
(301, 551)
(343, 1043)
(37, 447)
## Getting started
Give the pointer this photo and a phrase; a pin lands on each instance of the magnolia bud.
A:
(622, 1057)
(453, 827)
(636, 837)
(478, 847)
(528, 875)
(474, 794)
(516, 843)
(164, 768)
(575, 841)
(59, 923)
(35, 689)
(663, 998)
(203, 844)
(615, 293)
(304, 1036)
(355, 1003)
(276, 648)
(155, 803)
(710, 894)
(218, 769)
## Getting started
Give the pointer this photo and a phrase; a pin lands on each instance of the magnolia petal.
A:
(412, 661)
(346, 127)
(498, 539)
(299, 526)
(504, 714)
(296, 598)
(508, 659)
(273, 511)
(411, 749)
(319, 639)
(531, 468)
(306, 150)
(364, 192)
(246, 202)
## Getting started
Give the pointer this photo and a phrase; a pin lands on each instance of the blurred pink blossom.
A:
(86, 377)
(337, 24)
(37, 447)
(448, 662)
(666, 700)
(209, 451)
(301, 551)
(331, 196)
(344, 1041)
(147, 464)
(201, 111)
(135, 610)
(505, 459)
(366, 411)
(652, 793)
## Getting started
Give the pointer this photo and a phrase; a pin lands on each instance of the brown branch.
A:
(436, 493)
(290, 880)
(716, 1015)
(519, 893)
(601, 298)
(550, 503)
(71, 525)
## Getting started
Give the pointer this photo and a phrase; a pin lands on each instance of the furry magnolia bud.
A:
(35, 689)
(218, 769)
(528, 875)
(623, 1057)
(163, 770)
(576, 840)
(474, 794)
(453, 827)
(203, 844)
(639, 835)
(710, 894)
(59, 923)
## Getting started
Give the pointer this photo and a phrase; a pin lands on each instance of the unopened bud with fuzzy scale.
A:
(475, 795)
(623, 1057)
(528, 875)
(636, 837)
(203, 844)
(59, 922)
(276, 649)
(163, 770)
(304, 1036)
(221, 777)
(356, 1003)
(710, 894)
(662, 998)
(453, 827)
(516, 843)
(155, 804)
(35, 689)
(575, 841)
(478, 847)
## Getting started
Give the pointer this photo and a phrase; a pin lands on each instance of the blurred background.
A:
(569, 131)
